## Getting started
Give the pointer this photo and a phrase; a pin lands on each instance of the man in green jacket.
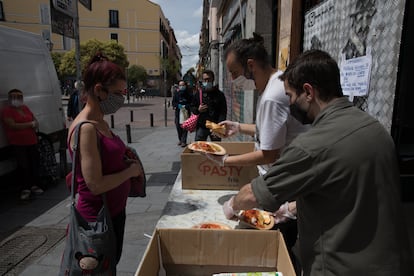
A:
(343, 174)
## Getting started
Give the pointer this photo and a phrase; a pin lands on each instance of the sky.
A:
(185, 18)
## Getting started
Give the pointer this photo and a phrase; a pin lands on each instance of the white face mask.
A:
(242, 83)
(16, 102)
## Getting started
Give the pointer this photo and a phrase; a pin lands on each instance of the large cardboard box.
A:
(198, 172)
(202, 252)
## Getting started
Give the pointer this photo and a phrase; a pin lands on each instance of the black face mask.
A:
(299, 114)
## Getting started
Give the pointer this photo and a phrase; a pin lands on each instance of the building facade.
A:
(139, 26)
(376, 35)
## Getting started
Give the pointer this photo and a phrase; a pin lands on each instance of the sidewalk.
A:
(33, 233)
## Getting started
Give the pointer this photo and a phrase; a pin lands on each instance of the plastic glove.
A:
(228, 209)
(231, 127)
(283, 214)
(218, 159)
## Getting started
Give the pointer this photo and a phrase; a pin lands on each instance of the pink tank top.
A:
(112, 152)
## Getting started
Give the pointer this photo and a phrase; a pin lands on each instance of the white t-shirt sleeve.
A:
(273, 128)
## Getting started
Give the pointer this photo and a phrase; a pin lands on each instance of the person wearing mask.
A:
(344, 176)
(181, 101)
(213, 107)
(102, 167)
(20, 127)
(275, 127)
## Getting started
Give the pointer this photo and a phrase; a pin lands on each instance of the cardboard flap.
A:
(231, 248)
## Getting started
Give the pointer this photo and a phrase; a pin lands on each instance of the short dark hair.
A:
(210, 74)
(252, 48)
(317, 68)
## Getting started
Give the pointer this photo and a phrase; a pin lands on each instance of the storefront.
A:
(377, 38)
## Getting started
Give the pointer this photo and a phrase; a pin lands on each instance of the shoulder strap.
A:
(75, 152)
(201, 96)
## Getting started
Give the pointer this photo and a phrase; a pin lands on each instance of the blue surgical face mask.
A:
(181, 88)
(207, 85)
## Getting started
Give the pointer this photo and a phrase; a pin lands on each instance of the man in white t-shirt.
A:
(275, 127)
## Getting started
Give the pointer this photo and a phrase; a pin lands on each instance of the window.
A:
(1, 12)
(113, 19)
(114, 36)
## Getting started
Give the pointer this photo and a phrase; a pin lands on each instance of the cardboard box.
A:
(198, 172)
(202, 252)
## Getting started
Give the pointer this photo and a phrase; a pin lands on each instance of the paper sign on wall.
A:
(355, 75)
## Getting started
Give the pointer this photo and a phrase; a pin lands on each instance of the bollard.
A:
(152, 119)
(128, 133)
(132, 115)
(112, 121)
(165, 111)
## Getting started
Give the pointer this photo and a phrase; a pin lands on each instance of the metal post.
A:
(77, 43)
(132, 115)
(128, 133)
(152, 119)
(112, 121)
(165, 82)
(165, 111)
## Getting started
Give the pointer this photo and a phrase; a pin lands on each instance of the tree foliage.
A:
(57, 60)
(136, 74)
(111, 49)
(171, 67)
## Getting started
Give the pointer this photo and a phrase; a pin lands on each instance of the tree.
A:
(57, 60)
(114, 51)
(136, 74)
(171, 67)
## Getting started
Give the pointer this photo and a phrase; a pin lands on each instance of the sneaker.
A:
(25, 195)
(183, 145)
(36, 190)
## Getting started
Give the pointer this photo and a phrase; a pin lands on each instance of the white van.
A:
(26, 64)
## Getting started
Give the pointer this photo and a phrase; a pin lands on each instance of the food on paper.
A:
(216, 128)
(212, 225)
(258, 219)
(207, 147)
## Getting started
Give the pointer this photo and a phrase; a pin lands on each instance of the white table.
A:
(186, 208)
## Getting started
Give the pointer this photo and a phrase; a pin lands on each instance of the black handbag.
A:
(90, 246)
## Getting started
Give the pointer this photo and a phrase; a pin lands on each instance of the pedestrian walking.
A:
(181, 104)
